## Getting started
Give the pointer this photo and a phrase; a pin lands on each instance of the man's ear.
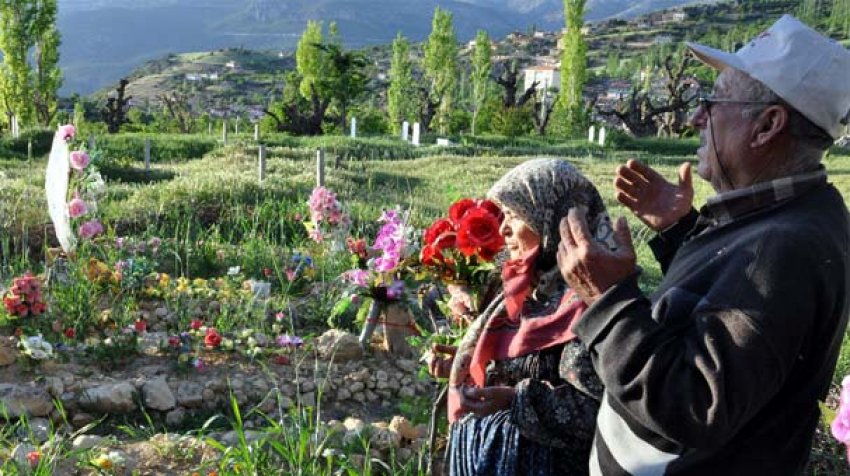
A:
(769, 124)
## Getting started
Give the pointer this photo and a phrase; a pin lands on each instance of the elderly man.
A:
(719, 371)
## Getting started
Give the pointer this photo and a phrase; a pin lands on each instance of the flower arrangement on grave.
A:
(73, 186)
(24, 298)
(377, 280)
(328, 220)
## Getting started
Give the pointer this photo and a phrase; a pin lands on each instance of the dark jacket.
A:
(720, 370)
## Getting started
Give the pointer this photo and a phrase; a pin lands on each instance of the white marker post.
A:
(224, 132)
(262, 166)
(353, 127)
(256, 132)
(320, 168)
(591, 134)
(602, 136)
(404, 126)
(147, 154)
(416, 133)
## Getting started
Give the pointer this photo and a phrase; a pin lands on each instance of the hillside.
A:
(103, 40)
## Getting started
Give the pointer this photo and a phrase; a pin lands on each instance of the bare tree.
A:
(115, 111)
(301, 123)
(178, 107)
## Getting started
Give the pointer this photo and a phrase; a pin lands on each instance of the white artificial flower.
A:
(35, 347)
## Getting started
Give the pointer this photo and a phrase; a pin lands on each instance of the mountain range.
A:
(102, 40)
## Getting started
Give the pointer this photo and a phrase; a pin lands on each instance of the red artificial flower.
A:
(213, 338)
(494, 209)
(33, 457)
(281, 359)
(459, 208)
(22, 310)
(173, 341)
(38, 308)
(428, 255)
(479, 230)
(141, 325)
(436, 229)
(196, 324)
(70, 333)
(11, 303)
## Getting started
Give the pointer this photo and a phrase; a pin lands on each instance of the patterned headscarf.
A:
(541, 192)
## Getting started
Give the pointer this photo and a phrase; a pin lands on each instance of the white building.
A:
(546, 76)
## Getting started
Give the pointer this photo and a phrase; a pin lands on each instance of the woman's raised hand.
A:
(657, 202)
(438, 366)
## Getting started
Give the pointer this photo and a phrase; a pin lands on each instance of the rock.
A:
(354, 424)
(54, 386)
(208, 394)
(421, 431)
(407, 391)
(356, 387)
(371, 396)
(81, 419)
(285, 403)
(262, 339)
(403, 427)
(39, 428)
(343, 394)
(157, 395)
(109, 398)
(160, 312)
(359, 396)
(403, 454)
(381, 376)
(409, 366)
(19, 454)
(86, 442)
(175, 417)
(339, 346)
(308, 399)
(21, 399)
(308, 386)
(231, 438)
(8, 355)
(384, 438)
(190, 395)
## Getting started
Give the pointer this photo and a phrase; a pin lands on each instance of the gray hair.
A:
(811, 140)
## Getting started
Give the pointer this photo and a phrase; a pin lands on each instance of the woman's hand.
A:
(487, 400)
(441, 367)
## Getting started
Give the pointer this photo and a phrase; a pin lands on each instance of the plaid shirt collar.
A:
(728, 206)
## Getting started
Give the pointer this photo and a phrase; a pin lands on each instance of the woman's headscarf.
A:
(541, 192)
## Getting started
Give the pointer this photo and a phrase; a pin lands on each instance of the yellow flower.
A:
(199, 282)
(102, 462)
(182, 285)
(164, 279)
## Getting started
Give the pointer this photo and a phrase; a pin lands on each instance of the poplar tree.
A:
(309, 58)
(839, 16)
(481, 69)
(28, 85)
(441, 64)
(401, 96)
(573, 66)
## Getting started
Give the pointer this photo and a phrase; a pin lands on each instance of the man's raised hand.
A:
(657, 202)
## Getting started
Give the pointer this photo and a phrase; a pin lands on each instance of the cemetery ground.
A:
(201, 229)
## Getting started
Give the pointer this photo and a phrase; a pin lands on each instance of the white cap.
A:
(807, 70)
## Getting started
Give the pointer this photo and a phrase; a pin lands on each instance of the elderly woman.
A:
(523, 396)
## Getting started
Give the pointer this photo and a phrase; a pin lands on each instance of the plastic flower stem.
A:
(370, 324)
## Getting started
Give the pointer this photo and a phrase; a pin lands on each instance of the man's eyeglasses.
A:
(708, 101)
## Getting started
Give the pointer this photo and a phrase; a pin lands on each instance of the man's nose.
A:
(699, 118)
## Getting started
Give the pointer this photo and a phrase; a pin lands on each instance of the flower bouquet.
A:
(459, 250)
(378, 280)
(24, 299)
(327, 218)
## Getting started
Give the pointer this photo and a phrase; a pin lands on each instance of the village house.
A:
(546, 76)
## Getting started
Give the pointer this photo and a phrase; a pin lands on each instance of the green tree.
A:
(573, 67)
(343, 80)
(402, 101)
(481, 69)
(441, 64)
(28, 85)
(839, 16)
(310, 58)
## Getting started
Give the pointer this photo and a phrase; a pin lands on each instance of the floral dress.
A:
(548, 429)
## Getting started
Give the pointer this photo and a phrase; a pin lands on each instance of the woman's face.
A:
(519, 237)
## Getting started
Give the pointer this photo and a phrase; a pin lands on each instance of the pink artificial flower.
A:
(291, 274)
(119, 242)
(841, 425)
(33, 457)
(67, 131)
(196, 324)
(141, 326)
(198, 364)
(77, 208)
(79, 160)
(173, 341)
(90, 229)
(358, 277)
(280, 316)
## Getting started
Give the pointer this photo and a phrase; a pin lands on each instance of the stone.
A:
(109, 398)
(381, 376)
(421, 431)
(407, 392)
(25, 399)
(190, 395)
(343, 394)
(54, 386)
(262, 339)
(157, 395)
(354, 424)
(8, 355)
(308, 386)
(161, 312)
(359, 396)
(81, 419)
(19, 454)
(371, 396)
(231, 438)
(208, 394)
(87, 442)
(339, 346)
(308, 399)
(175, 417)
(407, 365)
(403, 454)
(403, 427)
(39, 428)
(356, 387)
(384, 438)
